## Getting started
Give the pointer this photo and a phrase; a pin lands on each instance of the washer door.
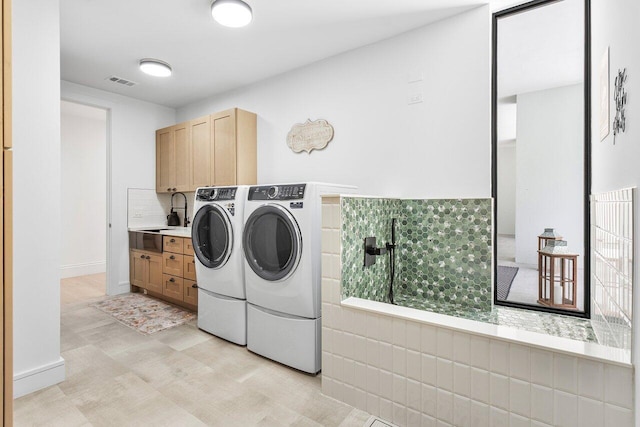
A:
(212, 236)
(272, 242)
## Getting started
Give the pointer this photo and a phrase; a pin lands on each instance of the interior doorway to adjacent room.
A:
(83, 257)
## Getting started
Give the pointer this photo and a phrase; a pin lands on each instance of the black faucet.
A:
(186, 218)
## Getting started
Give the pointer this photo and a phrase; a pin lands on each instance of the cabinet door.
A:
(172, 264)
(246, 141)
(137, 269)
(190, 292)
(165, 160)
(182, 157)
(154, 278)
(189, 267)
(223, 131)
(200, 153)
(173, 287)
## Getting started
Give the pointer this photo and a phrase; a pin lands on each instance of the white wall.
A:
(437, 148)
(36, 212)
(615, 24)
(83, 189)
(507, 189)
(132, 148)
(550, 169)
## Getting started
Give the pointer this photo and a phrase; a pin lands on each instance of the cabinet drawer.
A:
(173, 287)
(190, 292)
(189, 267)
(173, 244)
(188, 246)
(172, 264)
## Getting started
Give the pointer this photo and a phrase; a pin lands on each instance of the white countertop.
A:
(166, 230)
(178, 231)
(588, 350)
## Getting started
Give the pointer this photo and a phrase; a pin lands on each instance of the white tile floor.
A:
(177, 377)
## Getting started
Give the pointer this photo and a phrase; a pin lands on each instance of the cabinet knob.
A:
(142, 256)
(148, 257)
(193, 261)
(168, 189)
(172, 240)
(172, 280)
(195, 285)
(173, 189)
(172, 257)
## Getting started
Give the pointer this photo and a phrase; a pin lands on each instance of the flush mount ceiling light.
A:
(155, 67)
(231, 13)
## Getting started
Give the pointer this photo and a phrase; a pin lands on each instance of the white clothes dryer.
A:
(216, 233)
(282, 247)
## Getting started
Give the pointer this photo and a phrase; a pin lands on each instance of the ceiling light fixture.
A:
(231, 13)
(155, 67)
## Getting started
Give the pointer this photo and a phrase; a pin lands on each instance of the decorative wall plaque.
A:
(620, 98)
(310, 135)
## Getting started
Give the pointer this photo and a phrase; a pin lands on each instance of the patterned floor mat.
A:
(143, 313)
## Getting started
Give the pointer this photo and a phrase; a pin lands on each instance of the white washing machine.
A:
(216, 233)
(281, 243)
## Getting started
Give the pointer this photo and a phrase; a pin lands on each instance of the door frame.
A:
(6, 216)
(111, 289)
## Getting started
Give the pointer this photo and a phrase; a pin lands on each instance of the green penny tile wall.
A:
(443, 250)
(365, 217)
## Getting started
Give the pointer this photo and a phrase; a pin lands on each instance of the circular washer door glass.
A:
(272, 242)
(212, 236)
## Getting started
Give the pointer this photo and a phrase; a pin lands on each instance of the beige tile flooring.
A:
(176, 377)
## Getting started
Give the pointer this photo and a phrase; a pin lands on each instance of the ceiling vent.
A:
(120, 80)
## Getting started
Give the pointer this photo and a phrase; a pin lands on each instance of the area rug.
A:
(505, 279)
(143, 313)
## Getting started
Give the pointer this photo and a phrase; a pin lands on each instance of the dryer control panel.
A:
(216, 193)
(277, 192)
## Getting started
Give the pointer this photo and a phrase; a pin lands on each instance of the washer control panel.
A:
(277, 192)
(216, 193)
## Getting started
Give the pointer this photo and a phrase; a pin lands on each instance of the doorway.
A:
(83, 158)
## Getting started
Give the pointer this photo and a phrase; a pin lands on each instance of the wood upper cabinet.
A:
(214, 150)
(234, 142)
(200, 152)
(173, 158)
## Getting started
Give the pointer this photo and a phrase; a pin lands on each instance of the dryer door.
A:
(272, 242)
(212, 236)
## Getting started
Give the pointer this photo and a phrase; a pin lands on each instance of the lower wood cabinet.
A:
(173, 287)
(173, 264)
(190, 292)
(189, 267)
(146, 270)
(179, 271)
(170, 275)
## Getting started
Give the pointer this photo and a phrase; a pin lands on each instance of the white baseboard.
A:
(38, 378)
(73, 270)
